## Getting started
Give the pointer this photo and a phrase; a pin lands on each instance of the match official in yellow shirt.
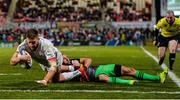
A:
(168, 28)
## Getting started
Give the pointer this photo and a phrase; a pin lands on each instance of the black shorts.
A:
(179, 39)
(164, 41)
(111, 70)
(117, 70)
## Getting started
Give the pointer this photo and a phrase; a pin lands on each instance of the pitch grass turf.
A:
(126, 55)
(176, 66)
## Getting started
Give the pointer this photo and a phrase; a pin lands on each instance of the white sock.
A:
(71, 75)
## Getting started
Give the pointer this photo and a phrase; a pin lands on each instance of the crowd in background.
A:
(49, 10)
(4, 6)
(58, 37)
(60, 11)
(128, 12)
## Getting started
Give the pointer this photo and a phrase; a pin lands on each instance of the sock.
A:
(145, 76)
(71, 75)
(161, 60)
(172, 57)
(118, 80)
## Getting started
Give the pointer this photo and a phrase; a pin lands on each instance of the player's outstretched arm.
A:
(86, 61)
(14, 59)
(156, 34)
(50, 74)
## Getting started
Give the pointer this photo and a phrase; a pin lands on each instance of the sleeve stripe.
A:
(52, 59)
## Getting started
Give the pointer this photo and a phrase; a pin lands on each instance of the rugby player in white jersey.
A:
(48, 57)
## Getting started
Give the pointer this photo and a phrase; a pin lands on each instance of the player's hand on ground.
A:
(42, 82)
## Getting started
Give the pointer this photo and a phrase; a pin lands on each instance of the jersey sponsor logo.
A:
(171, 30)
(49, 53)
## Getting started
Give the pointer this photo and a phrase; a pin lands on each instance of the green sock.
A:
(118, 80)
(145, 76)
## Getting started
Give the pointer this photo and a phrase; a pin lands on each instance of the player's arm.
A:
(17, 57)
(179, 25)
(51, 57)
(86, 61)
(66, 58)
(20, 54)
(14, 59)
(156, 34)
(50, 74)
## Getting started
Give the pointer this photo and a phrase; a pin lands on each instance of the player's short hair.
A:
(32, 33)
(170, 12)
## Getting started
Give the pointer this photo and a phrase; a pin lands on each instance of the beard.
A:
(33, 48)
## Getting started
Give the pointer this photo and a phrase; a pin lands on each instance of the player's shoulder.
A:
(160, 23)
(177, 20)
(162, 20)
(45, 41)
(22, 44)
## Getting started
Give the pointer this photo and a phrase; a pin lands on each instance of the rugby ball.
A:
(26, 65)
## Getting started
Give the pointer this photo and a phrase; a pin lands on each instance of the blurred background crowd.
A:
(60, 12)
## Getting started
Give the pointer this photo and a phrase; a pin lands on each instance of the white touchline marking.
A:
(11, 74)
(95, 91)
(170, 73)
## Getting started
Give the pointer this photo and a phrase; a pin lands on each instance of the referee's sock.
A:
(172, 57)
(161, 60)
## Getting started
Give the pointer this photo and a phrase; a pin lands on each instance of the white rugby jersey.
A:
(43, 54)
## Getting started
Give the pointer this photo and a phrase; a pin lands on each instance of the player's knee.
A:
(128, 71)
(133, 71)
(53, 68)
(162, 55)
(124, 69)
(173, 50)
(103, 78)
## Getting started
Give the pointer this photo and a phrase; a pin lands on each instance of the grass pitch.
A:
(19, 83)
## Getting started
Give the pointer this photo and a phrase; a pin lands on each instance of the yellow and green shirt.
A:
(168, 30)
